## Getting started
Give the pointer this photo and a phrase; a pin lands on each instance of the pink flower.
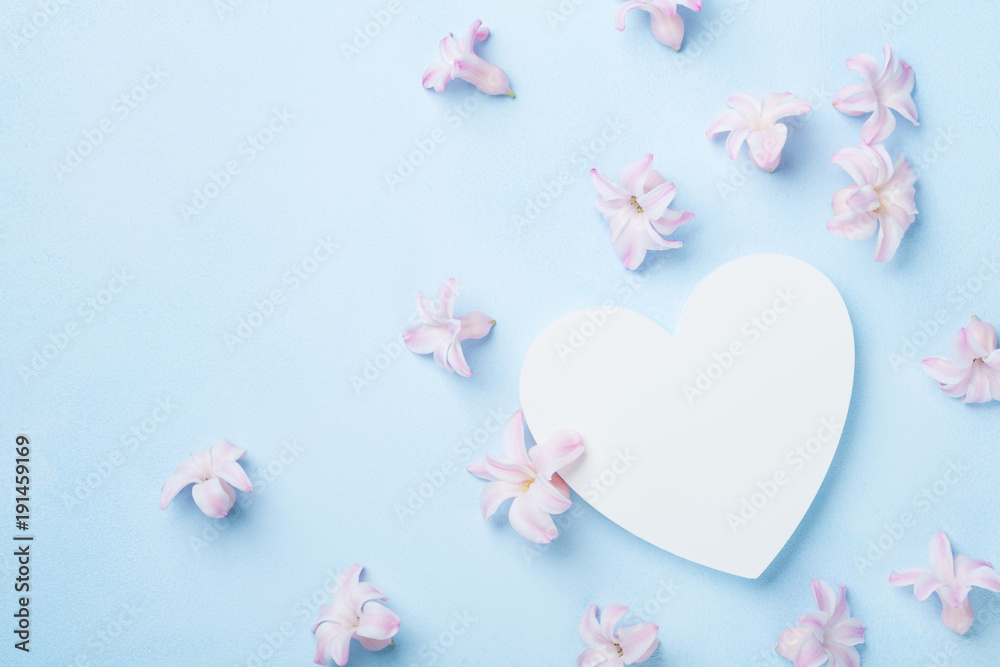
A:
(459, 61)
(637, 213)
(974, 371)
(529, 478)
(354, 614)
(607, 647)
(437, 330)
(665, 22)
(826, 634)
(883, 198)
(755, 121)
(212, 471)
(882, 91)
(952, 579)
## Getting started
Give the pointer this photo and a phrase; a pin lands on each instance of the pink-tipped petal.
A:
(811, 653)
(790, 642)
(638, 642)
(633, 176)
(824, 596)
(475, 325)
(625, 9)
(512, 440)
(958, 619)
(530, 522)
(214, 497)
(377, 622)
(945, 370)
(589, 628)
(424, 339)
(942, 562)
(766, 145)
(223, 451)
(557, 450)
(667, 27)
(485, 76)
(979, 573)
(173, 486)
(332, 643)
(495, 493)
(547, 497)
(232, 472)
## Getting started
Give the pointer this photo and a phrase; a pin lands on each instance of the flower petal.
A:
(530, 522)
(223, 451)
(945, 370)
(811, 653)
(173, 486)
(824, 596)
(668, 28)
(475, 325)
(495, 493)
(456, 360)
(766, 145)
(958, 619)
(233, 473)
(214, 497)
(332, 643)
(377, 622)
(547, 497)
(790, 641)
(610, 617)
(559, 448)
(923, 581)
(633, 176)
(973, 572)
(638, 642)
(512, 440)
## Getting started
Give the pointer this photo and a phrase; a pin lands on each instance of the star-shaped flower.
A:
(666, 24)
(608, 647)
(459, 61)
(951, 578)
(354, 614)
(882, 91)
(437, 330)
(214, 472)
(636, 211)
(973, 372)
(529, 477)
(830, 633)
(755, 121)
(882, 198)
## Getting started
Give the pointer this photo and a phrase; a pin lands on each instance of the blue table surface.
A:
(215, 217)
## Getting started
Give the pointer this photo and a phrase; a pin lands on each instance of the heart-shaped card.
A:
(712, 442)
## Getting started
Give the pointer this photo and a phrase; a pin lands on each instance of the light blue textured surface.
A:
(116, 581)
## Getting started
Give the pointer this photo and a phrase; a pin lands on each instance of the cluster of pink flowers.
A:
(882, 196)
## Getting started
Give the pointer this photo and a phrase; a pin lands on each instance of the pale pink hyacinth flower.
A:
(459, 61)
(951, 578)
(354, 614)
(529, 477)
(666, 24)
(636, 211)
(607, 647)
(214, 471)
(755, 121)
(882, 198)
(973, 372)
(436, 329)
(882, 91)
(829, 633)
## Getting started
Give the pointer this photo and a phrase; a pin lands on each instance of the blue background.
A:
(335, 453)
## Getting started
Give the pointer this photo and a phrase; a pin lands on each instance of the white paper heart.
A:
(710, 443)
